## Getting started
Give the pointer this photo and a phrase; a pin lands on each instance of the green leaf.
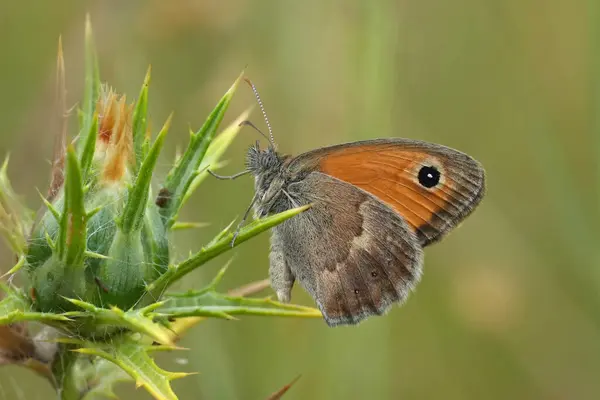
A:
(214, 304)
(137, 200)
(185, 171)
(20, 263)
(215, 152)
(134, 359)
(209, 303)
(181, 325)
(137, 320)
(217, 247)
(140, 123)
(15, 307)
(87, 154)
(92, 84)
(72, 239)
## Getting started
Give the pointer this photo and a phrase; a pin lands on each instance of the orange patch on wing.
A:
(390, 174)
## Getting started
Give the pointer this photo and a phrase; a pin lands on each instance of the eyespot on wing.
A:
(432, 187)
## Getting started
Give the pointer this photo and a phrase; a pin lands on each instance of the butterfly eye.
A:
(429, 176)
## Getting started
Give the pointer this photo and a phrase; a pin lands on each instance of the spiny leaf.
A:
(15, 307)
(175, 273)
(185, 171)
(215, 151)
(72, 240)
(209, 303)
(133, 358)
(92, 84)
(133, 213)
(87, 154)
(140, 123)
(18, 316)
(181, 325)
(139, 320)
(20, 263)
(213, 304)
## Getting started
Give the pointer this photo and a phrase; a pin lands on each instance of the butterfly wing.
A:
(431, 186)
(353, 253)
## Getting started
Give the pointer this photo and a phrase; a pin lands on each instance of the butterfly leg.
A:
(282, 278)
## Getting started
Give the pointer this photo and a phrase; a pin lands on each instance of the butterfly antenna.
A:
(262, 109)
(250, 124)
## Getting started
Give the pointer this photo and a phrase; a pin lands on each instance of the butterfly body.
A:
(375, 205)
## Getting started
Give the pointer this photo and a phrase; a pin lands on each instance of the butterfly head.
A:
(267, 166)
(262, 160)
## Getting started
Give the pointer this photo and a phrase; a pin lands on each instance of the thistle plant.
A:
(95, 266)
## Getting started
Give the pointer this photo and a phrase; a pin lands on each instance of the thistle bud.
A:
(101, 239)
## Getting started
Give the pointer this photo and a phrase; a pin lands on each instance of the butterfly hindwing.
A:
(353, 253)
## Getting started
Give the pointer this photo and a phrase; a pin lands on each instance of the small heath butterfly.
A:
(375, 205)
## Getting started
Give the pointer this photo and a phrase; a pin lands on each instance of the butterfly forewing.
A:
(431, 186)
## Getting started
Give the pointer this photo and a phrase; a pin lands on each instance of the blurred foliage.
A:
(509, 305)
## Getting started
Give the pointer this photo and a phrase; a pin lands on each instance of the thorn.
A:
(152, 307)
(178, 375)
(49, 206)
(217, 279)
(16, 267)
(93, 212)
(148, 74)
(188, 225)
(167, 123)
(92, 254)
(230, 317)
(49, 240)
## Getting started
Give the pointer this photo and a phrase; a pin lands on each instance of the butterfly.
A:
(375, 205)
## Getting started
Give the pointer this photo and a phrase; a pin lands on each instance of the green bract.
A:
(96, 259)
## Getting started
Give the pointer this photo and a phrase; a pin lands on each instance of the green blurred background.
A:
(509, 304)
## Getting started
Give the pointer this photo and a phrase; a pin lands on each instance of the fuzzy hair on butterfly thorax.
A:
(268, 166)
